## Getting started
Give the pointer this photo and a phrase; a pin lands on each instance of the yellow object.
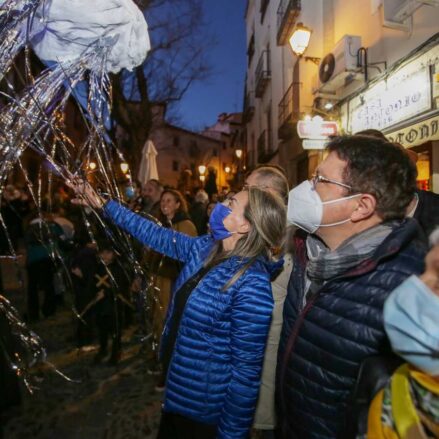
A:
(407, 421)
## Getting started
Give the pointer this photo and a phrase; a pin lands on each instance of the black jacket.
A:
(324, 342)
(427, 211)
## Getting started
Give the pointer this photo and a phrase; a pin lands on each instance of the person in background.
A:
(83, 268)
(42, 246)
(164, 270)
(131, 193)
(215, 333)
(151, 194)
(358, 249)
(198, 212)
(424, 206)
(272, 179)
(110, 286)
(174, 215)
(13, 210)
(408, 406)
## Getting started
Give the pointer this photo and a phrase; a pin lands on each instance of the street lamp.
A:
(124, 167)
(238, 153)
(299, 42)
(227, 169)
(202, 170)
(92, 166)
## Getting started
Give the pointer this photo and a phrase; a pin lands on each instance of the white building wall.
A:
(364, 18)
(330, 20)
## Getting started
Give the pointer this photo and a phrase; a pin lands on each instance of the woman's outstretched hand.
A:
(85, 194)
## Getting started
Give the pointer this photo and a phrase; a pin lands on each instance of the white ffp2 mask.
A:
(305, 208)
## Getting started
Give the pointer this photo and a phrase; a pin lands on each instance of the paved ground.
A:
(108, 403)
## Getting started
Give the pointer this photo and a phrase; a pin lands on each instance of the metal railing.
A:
(264, 146)
(262, 73)
(249, 106)
(287, 13)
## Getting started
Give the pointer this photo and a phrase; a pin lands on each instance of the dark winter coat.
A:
(427, 211)
(324, 341)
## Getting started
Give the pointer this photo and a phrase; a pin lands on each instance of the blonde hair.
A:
(266, 214)
(272, 178)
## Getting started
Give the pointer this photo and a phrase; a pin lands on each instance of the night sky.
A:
(224, 91)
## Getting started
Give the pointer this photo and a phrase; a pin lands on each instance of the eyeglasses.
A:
(320, 179)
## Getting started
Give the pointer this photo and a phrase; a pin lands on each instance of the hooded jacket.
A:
(324, 341)
(215, 369)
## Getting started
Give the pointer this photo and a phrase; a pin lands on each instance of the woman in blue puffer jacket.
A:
(214, 338)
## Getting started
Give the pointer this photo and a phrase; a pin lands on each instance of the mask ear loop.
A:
(341, 199)
(335, 201)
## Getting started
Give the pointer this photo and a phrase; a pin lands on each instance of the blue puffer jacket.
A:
(324, 341)
(216, 365)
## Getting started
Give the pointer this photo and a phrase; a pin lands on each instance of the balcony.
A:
(288, 112)
(251, 49)
(287, 14)
(249, 107)
(263, 73)
(265, 147)
(263, 9)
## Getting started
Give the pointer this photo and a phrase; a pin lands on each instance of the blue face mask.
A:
(129, 192)
(412, 324)
(216, 222)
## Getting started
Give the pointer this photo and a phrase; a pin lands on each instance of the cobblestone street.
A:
(108, 402)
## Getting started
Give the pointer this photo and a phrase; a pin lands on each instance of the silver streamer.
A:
(33, 118)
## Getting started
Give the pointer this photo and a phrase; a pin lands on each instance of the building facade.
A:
(188, 160)
(369, 64)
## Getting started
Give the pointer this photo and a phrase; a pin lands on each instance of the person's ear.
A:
(365, 209)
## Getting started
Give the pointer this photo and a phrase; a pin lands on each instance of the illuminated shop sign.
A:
(316, 128)
(417, 134)
(399, 97)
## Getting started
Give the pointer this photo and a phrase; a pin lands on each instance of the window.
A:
(175, 165)
(263, 9)
(251, 49)
(176, 141)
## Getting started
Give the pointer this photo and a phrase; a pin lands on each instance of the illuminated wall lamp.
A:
(124, 167)
(299, 42)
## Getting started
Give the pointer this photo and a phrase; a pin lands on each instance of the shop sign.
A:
(399, 97)
(316, 128)
(417, 134)
(314, 143)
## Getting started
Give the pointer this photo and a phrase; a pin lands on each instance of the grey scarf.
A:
(325, 264)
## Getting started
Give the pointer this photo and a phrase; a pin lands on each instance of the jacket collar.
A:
(404, 233)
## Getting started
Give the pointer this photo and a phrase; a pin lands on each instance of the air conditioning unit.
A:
(396, 12)
(338, 65)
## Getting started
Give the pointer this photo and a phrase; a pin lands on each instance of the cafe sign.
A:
(399, 97)
(416, 134)
(316, 128)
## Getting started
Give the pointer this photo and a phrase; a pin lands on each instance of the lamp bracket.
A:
(313, 59)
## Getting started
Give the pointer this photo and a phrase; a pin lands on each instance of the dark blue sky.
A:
(223, 92)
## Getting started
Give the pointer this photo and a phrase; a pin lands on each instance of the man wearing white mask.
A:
(358, 249)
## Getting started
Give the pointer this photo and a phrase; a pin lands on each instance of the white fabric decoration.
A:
(65, 30)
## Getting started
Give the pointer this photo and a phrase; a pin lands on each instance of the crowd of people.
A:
(327, 329)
